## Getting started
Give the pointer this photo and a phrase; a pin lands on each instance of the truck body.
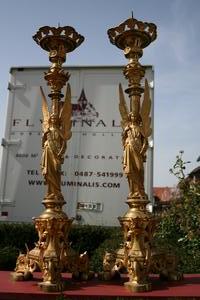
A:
(93, 184)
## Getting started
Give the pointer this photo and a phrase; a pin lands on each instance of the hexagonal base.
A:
(21, 276)
(52, 287)
(138, 287)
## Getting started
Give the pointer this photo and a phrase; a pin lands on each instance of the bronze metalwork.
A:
(138, 224)
(52, 253)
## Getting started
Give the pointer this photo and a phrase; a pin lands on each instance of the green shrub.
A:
(88, 238)
(8, 257)
(14, 236)
(111, 244)
(17, 234)
(179, 228)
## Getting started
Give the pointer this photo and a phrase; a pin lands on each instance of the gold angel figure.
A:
(136, 130)
(56, 131)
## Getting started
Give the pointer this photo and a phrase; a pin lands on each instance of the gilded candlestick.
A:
(132, 36)
(52, 253)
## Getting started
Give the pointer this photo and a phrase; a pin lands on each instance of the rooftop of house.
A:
(164, 194)
(195, 174)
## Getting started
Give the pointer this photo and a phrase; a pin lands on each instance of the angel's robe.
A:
(52, 158)
(133, 159)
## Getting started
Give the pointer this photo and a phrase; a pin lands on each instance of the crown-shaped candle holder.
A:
(50, 38)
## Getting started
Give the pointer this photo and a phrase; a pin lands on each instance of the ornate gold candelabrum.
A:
(138, 224)
(52, 252)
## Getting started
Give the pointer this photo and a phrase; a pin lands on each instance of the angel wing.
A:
(145, 112)
(65, 114)
(123, 107)
(45, 111)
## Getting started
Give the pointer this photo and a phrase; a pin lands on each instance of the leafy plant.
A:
(110, 244)
(179, 228)
(8, 256)
(14, 236)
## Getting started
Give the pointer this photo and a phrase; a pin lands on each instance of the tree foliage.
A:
(179, 228)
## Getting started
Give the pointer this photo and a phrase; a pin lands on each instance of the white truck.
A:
(93, 184)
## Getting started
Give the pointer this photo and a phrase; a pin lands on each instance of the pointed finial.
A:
(58, 24)
(132, 14)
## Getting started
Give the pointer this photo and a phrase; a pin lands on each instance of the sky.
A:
(174, 55)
